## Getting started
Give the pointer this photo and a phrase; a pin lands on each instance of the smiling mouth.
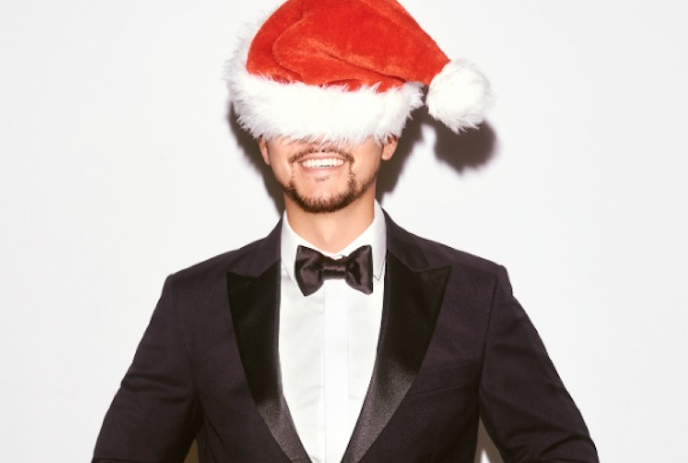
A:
(321, 157)
(322, 163)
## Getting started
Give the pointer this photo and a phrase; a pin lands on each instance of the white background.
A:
(118, 166)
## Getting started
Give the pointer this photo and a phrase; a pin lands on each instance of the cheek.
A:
(281, 171)
(366, 168)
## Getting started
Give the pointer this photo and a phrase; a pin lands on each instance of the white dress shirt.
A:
(327, 345)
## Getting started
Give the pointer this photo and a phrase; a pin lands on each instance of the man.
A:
(340, 336)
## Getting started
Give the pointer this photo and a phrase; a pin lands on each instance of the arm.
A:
(155, 414)
(523, 402)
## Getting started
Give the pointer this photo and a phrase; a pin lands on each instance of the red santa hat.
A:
(346, 70)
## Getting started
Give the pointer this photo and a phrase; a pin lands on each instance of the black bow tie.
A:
(312, 268)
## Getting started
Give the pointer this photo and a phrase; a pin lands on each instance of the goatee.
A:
(325, 205)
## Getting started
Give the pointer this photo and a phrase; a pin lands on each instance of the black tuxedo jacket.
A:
(454, 346)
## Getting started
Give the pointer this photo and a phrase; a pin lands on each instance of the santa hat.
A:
(345, 70)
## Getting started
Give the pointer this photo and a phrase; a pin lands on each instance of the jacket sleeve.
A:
(155, 414)
(523, 402)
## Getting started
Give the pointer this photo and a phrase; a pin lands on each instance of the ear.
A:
(389, 147)
(263, 145)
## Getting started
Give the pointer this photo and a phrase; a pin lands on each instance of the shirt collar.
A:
(375, 236)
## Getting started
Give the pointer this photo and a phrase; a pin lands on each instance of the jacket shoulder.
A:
(442, 252)
(428, 253)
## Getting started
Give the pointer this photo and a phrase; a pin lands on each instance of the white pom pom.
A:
(459, 96)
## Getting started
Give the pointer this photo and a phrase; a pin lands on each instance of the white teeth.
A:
(321, 163)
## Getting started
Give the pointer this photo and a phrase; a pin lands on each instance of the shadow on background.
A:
(250, 148)
(472, 149)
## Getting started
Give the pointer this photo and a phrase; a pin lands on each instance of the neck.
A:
(332, 231)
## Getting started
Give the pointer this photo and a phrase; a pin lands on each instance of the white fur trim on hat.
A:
(459, 96)
(271, 109)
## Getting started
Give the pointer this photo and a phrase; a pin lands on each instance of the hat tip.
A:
(459, 96)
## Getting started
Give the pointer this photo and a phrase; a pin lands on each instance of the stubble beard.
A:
(319, 205)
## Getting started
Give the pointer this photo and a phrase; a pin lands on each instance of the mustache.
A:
(299, 155)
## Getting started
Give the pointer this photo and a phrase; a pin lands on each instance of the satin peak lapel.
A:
(255, 312)
(412, 303)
